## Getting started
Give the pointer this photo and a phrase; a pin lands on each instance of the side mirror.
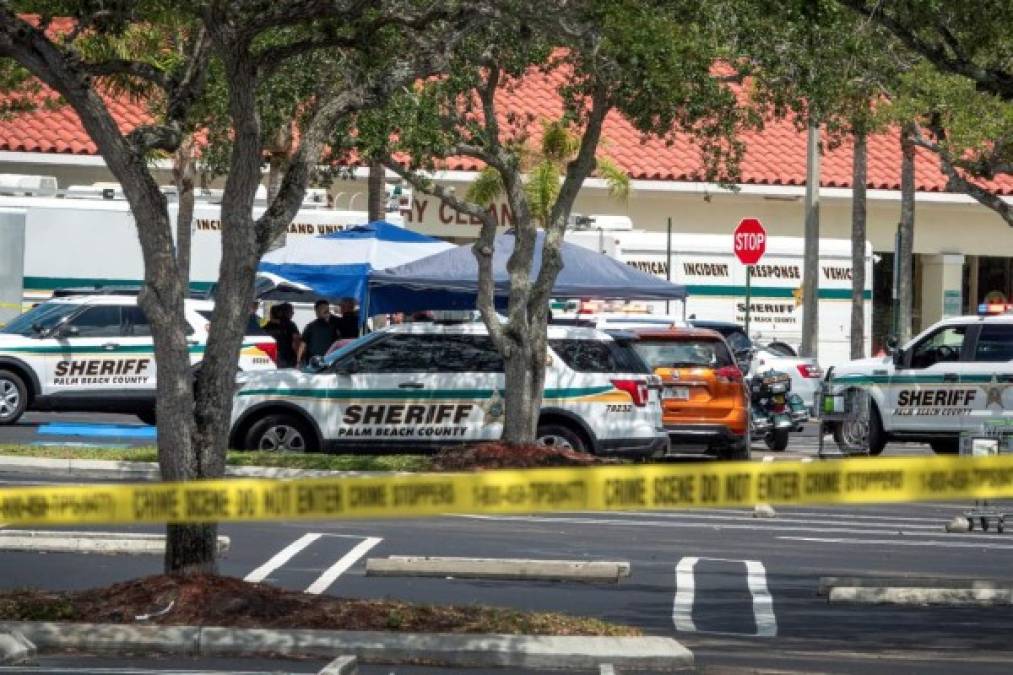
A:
(898, 356)
(316, 362)
(67, 331)
(891, 344)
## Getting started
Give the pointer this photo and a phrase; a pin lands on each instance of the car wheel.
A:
(945, 446)
(862, 432)
(736, 451)
(280, 433)
(13, 397)
(148, 416)
(777, 440)
(559, 436)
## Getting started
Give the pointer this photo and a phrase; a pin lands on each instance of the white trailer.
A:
(88, 237)
(716, 281)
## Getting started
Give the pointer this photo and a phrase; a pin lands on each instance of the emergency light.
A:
(990, 308)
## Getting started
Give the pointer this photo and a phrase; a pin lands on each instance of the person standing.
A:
(320, 333)
(285, 333)
(349, 321)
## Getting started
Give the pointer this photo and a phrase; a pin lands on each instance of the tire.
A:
(874, 435)
(559, 436)
(777, 440)
(736, 451)
(945, 446)
(13, 397)
(281, 432)
(148, 417)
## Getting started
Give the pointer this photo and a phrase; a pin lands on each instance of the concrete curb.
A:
(100, 469)
(446, 650)
(497, 568)
(108, 543)
(343, 665)
(828, 583)
(15, 648)
(955, 597)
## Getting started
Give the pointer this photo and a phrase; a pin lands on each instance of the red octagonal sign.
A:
(750, 241)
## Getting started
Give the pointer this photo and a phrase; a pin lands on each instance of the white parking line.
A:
(933, 524)
(756, 579)
(337, 569)
(907, 542)
(685, 588)
(282, 557)
(763, 603)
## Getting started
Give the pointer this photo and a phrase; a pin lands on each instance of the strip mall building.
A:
(963, 251)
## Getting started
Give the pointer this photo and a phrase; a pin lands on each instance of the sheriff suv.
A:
(96, 353)
(954, 377)
(426, 386)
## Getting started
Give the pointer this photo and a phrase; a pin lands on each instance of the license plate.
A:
(676, 393)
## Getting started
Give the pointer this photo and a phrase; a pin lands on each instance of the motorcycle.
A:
(774, 410)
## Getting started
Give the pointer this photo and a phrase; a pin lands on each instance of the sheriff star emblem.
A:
(994, 392)
(493, 409)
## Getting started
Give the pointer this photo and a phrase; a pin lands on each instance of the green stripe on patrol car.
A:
(351, 394)
(911, 379)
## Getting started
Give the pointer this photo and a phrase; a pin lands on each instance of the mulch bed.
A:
(507, 456)
(210, 600)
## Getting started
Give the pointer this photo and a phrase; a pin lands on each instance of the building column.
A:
(942, 285)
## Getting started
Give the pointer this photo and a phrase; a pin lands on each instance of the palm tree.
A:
(544, 168)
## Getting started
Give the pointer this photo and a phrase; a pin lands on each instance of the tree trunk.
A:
(376, 197)
(858, 235)
(523, 394)
(905, 282)
(810, 281)
(183, 171)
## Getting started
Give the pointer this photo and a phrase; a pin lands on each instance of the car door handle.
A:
(110, 346)
(951, 377)
(411, 385)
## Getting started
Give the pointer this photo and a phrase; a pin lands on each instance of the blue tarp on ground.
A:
(336, 265)
(449, 280)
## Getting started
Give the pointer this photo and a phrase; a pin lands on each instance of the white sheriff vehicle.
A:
(425, 386)
(952, 378)
(95, 353)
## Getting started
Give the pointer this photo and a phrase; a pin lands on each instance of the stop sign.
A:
(750, 241)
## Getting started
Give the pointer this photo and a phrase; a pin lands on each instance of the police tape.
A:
(607, 488)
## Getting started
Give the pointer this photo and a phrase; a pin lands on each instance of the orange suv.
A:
(705, 405)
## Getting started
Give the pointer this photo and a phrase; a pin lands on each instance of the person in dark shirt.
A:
(320, 333)
(285, 333)
(349, 321)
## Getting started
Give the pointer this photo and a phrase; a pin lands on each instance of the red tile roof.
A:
(774, 156)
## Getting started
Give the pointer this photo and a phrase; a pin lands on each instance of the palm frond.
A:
(618, 181)
(542, 189)
(488, 185)
(559, 143)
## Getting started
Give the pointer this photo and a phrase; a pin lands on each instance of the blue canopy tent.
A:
(449, 280)
(336, 265)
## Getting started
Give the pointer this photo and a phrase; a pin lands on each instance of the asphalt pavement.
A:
(737, 590)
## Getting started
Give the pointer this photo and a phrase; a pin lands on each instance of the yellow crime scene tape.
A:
(608, 488)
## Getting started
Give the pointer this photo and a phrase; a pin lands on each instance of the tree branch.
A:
(138, 69)
(992, 80)
(956, 181)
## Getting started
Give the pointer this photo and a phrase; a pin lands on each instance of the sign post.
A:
(749, 243)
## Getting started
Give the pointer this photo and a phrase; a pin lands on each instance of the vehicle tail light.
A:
(807, 370)
(269, 347)
(777, 407)
(729, 373)
(637, 389)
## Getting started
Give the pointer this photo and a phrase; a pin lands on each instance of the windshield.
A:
(684, 353)
(40, 318)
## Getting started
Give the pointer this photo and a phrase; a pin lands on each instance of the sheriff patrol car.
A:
(96, 353)
(424, 386)
(952, 378)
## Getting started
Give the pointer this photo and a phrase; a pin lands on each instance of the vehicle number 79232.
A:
(619, 408)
